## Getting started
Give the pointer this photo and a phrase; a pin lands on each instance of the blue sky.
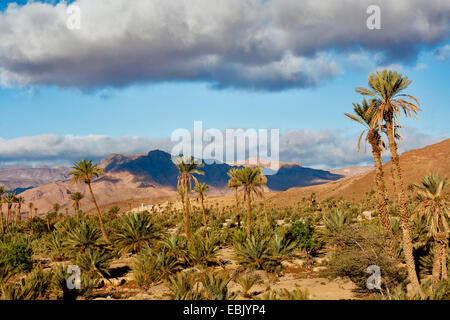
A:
(153, 103)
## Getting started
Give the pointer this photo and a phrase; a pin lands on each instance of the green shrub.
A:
(95, 262)
(135, 231)
(303, 233)
(149, 267)
(84, 237)
(215, 286)
(16, 254)
(183, 286)
(201, 251)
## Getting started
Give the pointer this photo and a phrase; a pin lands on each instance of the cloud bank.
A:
(316, 148)
(243, 44)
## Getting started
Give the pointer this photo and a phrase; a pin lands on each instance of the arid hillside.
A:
(415, 164)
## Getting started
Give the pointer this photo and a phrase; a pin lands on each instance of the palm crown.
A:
(85, 171)
(432, 203)
(363, 115)
(388, 101)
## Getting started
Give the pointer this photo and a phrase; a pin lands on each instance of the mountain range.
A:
(143, 178)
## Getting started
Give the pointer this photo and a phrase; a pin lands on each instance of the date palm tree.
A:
(20, 201)
(2, 192)
(434, 205)
(262, 182)
(387, 104)
(200, 189)
(234, 183)
(373, 137)
(9, 199)
(83, 172)
(249, 178)
(76, 197)
(187, 167)
(30, 212)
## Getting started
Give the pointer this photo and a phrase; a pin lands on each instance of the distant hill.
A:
(143, 177)
(22, 178)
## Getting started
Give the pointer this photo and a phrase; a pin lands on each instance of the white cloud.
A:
(421, 66)
(245, 44)
(318, 148)
(443, 53)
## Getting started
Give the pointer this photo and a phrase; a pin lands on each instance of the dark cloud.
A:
(243, 44)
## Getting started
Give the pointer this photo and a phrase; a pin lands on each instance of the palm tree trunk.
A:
(205, 222)
(381, 193)
(1, 217)
(238, 215)
(437, 260)
(99, 215)
(249, 212)
(8, 214)
(188, 211)
(264, 205)
(403, 211)
(444, 253)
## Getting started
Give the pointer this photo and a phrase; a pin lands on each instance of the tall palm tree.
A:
(201, 189)
(234, 183)
(262, 181)
(434, 205)
(76, 197)
(36, 212)
(187, 167)
(83, 172)
(373, 137)
(20, 201)
(387, 104)
(30, 213)
(249, 178)
(9, 199)
(2, 192)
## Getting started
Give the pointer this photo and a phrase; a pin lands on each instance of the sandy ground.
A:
(294, 275)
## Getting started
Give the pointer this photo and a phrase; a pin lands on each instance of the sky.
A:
(136, 71)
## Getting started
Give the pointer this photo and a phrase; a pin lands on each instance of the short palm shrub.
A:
(247, 280)
(335, 220)
(84, 237)
(135, 231)
(282, 247)
(215, 286)
(255, 253)
(95, 262)
(184, 286)
(149, 267)
(34, 286)
(176, 246)
(202, 251)
(55, 245)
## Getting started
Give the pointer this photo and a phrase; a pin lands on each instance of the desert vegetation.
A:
(203, 249)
